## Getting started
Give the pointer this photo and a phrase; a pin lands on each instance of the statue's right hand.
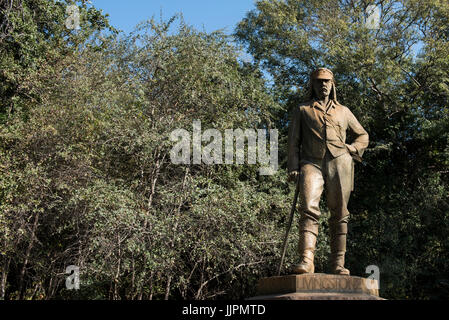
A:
(292, 176)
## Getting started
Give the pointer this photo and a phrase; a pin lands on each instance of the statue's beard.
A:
(322, 94)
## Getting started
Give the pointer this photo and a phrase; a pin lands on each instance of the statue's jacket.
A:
(315, 129)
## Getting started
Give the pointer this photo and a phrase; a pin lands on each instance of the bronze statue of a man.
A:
(319, 155)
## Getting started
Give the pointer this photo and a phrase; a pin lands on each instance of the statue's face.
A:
(322, 87)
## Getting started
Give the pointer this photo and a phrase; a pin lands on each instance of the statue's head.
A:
(322, 84)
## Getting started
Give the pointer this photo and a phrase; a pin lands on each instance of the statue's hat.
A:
(322, 73)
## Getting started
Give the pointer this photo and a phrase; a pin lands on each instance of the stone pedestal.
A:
(317, 286)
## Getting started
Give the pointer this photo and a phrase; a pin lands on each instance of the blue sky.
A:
(210, 14)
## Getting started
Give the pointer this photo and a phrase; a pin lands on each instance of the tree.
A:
(87, 180)
(34, 35)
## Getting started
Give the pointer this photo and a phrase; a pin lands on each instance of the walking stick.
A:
(289, 225)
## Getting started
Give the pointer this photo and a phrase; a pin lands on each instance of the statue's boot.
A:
(338, 250)
(307, 242)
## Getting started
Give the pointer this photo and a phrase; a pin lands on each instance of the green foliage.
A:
(87, 179)
(34, 36)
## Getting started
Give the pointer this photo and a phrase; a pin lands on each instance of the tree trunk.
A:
(5, 270)
(167, 287)
(27, 257)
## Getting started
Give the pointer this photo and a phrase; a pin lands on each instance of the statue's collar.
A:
(330, 104)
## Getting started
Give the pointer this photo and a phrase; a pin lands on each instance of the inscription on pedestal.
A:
(318, 283)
